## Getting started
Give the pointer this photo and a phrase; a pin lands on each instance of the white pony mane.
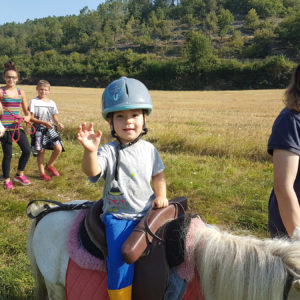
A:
(296, 234)
(246, 268)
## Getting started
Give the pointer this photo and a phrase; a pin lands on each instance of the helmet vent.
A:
(127, 89)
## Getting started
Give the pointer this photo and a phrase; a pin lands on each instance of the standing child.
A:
(12, 98)
(44, 115)
(128, 165)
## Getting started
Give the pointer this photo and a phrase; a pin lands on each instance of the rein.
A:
(18, 121)
(46, 208)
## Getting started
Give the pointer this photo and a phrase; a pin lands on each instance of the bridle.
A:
(17, 127)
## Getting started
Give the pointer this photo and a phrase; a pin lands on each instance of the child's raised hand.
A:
(160, 202)
(88, 138)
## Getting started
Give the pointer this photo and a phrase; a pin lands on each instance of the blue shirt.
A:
(285, 136)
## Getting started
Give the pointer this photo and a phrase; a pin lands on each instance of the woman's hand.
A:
(88, 138)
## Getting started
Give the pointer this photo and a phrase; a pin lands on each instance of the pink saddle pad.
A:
(194, 290)
(83, 284)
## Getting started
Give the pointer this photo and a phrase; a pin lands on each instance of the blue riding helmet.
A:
(125, 94)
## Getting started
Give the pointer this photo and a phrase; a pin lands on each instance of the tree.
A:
(225, 18)
(262, 43)
(139, 9)
(210, 23)
(8, 46)
(237, 42)
(194, 7)
(267, 8)
(251, 19)
(237, 7)
(288, 30)
(198, 50)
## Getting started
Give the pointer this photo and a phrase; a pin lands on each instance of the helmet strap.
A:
(122, 146)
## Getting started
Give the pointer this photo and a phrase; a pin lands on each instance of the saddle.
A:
(145, 246)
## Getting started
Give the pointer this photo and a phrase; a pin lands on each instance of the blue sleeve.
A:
(285, 133)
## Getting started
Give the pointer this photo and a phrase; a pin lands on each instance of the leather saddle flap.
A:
(151, 272)
(95, 227)
(137, 242)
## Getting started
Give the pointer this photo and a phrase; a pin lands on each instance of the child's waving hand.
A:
(88, 138)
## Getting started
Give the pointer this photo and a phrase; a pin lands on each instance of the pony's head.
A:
(244, 267)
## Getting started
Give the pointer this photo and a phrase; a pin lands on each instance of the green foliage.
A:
(198, 50)
(182, 37)
(225, 18)
(239, 7)
(251, 19)
(210, 23)
(263, 43)
(266, 8)
(234, 47)
(288, 30)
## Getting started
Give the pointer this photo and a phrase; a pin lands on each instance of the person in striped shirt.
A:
(13, 99)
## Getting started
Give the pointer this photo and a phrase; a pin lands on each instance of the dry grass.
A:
(222, 122)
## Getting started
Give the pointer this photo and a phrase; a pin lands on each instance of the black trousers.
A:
(6, 142)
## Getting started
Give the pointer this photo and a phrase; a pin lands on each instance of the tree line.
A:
(168, 44)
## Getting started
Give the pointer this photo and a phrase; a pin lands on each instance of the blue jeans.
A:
(176, 286)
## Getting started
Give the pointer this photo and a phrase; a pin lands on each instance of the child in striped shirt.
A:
(13, 99)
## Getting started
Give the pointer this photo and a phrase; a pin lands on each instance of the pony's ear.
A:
(296, 234)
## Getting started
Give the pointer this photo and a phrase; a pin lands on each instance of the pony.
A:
(230, 267)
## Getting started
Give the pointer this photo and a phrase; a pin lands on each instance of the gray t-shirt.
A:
(43, 110)
(131, 195)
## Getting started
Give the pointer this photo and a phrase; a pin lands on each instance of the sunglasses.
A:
(11, 77)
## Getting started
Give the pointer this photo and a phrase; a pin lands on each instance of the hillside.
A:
(171, 40)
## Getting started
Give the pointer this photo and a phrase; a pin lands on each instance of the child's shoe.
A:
(8, 185)
(52, 171)
(45, 177)
(22, 179)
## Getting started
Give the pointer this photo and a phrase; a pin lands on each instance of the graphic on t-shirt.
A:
(115, 191)
(115, 199)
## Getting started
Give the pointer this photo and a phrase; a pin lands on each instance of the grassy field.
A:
(212, 143)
